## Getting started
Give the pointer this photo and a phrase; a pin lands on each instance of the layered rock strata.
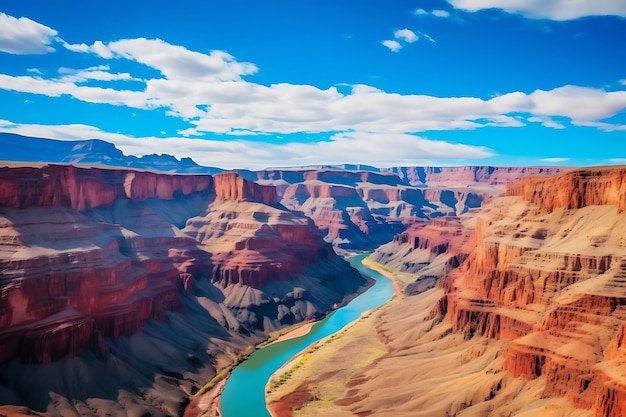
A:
(548, 275)
(94, 259)
(363, 209)
(531, 323)
(466, 175)
(428, 250)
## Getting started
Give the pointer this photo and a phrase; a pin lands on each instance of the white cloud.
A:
(547, 122)
(426, 36)
(606, 127)
(23, 36)
(97, 48)
(174, 62)
(548, 9)
(210, 93)
(580, 103)
(441, 13)
(436, 13)
(406, 35)
(99, 73)
(394, 46)
(555, 160)
(369, 148)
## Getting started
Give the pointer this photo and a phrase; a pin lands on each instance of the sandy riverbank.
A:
(316, 377)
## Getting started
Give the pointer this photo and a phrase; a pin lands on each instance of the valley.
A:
(131, 290)
(529, 323)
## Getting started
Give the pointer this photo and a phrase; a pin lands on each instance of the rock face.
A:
(428, 250)
(462, 176)
(548, 276)
(363, 209)
(91, 258)
(577, 189)
(530, 323)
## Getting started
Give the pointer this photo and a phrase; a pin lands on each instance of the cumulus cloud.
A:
(553, 9)
(394, 46)
(98, 48)
(403, 35)
(23, 36)
(210, 92)
(406, 35)
(173, 61)
(350, 147)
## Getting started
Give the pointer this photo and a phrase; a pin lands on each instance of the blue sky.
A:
(250, 84)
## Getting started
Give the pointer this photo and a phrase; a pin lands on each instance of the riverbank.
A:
(253, 374)
(317, 376)
(207, 402)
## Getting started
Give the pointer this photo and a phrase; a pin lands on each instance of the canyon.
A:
(126, 291)
(515, 310)
(362, 209)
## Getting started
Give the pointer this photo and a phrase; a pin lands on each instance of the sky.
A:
(255, 84)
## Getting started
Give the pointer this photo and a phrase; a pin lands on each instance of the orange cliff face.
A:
(89, 255)
(86, 188)
(548, 275)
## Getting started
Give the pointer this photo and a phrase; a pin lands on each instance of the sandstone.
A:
(548, 275)
(90, 255)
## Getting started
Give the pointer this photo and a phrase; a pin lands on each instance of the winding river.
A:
(244, 393)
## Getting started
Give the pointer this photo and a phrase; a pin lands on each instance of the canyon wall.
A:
(428, 251)
(364, 209)
(547, 275)
(462, 176)
(92, 259)
(529, 322)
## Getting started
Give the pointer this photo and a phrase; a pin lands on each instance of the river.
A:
(244, 393)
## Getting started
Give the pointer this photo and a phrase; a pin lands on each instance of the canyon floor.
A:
(408, 364)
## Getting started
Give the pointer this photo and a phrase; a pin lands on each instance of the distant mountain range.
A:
(91, 152)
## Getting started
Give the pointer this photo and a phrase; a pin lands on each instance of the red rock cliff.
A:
(86, 188)
(552, 282)
(85, 256)
(230, 186)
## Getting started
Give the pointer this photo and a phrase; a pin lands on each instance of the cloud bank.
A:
(548, 9)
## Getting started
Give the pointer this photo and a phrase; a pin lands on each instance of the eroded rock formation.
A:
(428, 250)
(530, 323)
(465, 175)
(92, 259)
(363, 209)
(548, 275)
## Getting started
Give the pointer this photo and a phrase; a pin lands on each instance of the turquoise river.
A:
(244, 393)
